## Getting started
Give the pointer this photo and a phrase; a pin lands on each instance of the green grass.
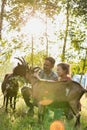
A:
(20, 120)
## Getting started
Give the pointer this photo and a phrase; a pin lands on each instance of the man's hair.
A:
(51, 59)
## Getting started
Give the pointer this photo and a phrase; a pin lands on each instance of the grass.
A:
(20, 120)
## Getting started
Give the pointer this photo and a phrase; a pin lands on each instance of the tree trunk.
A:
(1, 16)
(84, 64)
(66, 32)
(46, 33)
(46, 38)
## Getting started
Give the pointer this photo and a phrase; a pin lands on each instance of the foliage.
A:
(18, 12)
(18, 9)
(81, 7)
(77, 34)
(77, 68)
(39, 55)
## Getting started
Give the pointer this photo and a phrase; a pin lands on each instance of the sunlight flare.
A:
(34, 26)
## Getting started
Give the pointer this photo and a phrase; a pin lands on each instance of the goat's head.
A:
(30, 73)
(21, 68)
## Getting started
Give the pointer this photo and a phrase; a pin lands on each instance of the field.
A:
(21, 120)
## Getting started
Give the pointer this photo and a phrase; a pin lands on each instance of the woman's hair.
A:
(65, 67)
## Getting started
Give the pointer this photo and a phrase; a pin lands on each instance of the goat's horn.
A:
(24, 61)
(20, 60)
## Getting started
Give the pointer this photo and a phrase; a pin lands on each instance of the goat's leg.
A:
(14, 103)
(7, 98)
(4, 101)
(26, 93)
(77, 121)
(76, 110)
(69, 114)
(11, 102)
(41, 113)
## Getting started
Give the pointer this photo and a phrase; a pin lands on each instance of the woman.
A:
(63, 70)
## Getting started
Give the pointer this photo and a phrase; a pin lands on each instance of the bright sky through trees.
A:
(35, 27)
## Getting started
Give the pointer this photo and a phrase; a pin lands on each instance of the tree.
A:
(20, 11)
(1, 16)
(66, 30)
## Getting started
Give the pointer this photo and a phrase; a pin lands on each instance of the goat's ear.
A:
(22, 60)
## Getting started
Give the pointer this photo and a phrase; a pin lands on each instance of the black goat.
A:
(10, 89)
(10, 83)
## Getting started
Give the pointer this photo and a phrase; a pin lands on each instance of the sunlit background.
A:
(39, 29)
(38, 32)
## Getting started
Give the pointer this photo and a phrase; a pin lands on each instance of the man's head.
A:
(48, 64)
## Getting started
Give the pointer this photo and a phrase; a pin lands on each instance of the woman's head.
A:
(63, 69)
(57, 125)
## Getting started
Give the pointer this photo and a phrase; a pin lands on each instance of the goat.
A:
(10, 89)
(10, 84)
(48, 93)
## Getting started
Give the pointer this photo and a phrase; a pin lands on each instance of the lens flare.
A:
(57, 125)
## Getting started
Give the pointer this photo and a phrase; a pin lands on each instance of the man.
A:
(47, 72)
